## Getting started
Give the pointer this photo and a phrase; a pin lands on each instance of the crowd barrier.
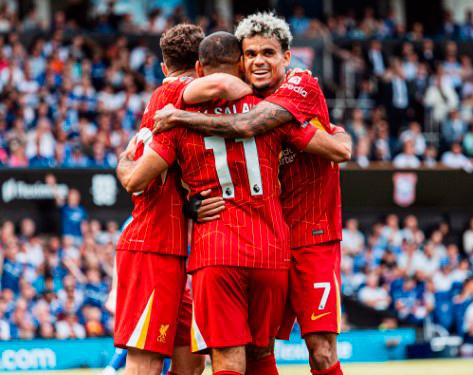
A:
(356, 346)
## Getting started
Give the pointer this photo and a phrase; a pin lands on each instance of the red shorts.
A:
(236, 306)
(183, 332)
(314, 290)
(149, 293)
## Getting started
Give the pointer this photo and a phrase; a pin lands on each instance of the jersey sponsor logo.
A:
(163, 331)
(317, 317)
(404, 193)
(298, 89)
(317, 232)
(295, 80)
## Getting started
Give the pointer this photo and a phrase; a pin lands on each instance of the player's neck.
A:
(181, 73)
(267, 91)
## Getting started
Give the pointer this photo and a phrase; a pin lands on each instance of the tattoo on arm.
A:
(262, 118)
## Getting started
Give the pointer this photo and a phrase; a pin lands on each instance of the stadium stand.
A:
(70, 100)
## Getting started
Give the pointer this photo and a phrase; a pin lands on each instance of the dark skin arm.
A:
(262, 118)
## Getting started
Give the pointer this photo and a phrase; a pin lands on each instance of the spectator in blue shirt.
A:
(72, 212)
(11, 269)
(95, 291)
(299, 22)
(466, 30)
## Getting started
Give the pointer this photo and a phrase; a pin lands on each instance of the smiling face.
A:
(265, 63)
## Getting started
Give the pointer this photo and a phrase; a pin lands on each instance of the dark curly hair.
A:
(180, 46)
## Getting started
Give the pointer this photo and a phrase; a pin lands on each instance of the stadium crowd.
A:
(411, 274)
(56, 286)
(70, 102)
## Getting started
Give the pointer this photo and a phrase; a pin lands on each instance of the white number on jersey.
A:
(217, 145)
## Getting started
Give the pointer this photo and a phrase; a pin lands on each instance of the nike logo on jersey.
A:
(316, 317)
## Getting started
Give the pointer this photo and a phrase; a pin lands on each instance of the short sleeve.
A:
(166, 145)
(336, 129)
(300, 94)
(297, 135)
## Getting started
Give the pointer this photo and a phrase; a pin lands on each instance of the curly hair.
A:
(180, 46)
(267, 25)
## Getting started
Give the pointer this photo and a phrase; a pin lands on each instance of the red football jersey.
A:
(311, 184)
(251, 231)
(158, 224)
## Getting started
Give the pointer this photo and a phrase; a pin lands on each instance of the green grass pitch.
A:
(425, 367)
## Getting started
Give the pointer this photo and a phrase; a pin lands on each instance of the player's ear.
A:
(198, 69)
(287, 58)
(164, 68)
(241, 66)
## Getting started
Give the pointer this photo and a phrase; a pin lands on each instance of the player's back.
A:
(158, 223)
(251, 231)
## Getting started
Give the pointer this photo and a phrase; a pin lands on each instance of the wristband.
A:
(191, 206)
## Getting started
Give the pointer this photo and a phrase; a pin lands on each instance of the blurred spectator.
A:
(407, 159)
(411, 260)
(440, 98)
(72, 213)
(455, 158)
(11, 268)
(414, 135)
(353, 239)
(466, 30)
(454, 128)
(468, 239)
(408, 304)
(468, 141)
(374, 295)
(430, 157)
(69, 327)
(398, 97)
(449, 28)
(299, 22)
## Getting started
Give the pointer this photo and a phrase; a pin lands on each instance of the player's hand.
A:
(295, 71)
(163, 119)
(131, 148)
(210, 208)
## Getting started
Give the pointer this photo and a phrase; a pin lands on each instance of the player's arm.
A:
(262, 118)
(135, 175)
(217, 85)
(336, 147)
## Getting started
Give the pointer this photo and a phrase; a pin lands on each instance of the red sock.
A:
(334, 370)
(262, 366)
(227, 372)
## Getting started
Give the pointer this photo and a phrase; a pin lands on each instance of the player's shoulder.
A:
(173, 84)
(168, 92)
(301, 77)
